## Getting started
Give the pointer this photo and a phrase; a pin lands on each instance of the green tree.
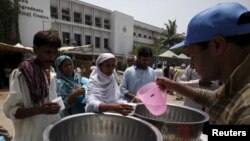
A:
(9, 14)
(170, 36)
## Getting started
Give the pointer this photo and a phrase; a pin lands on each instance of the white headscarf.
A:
(103, 57)
(102, 88)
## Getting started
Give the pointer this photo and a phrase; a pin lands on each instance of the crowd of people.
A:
(217, 78)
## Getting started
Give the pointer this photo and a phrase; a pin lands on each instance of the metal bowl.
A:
(101, 127)
(178, 123)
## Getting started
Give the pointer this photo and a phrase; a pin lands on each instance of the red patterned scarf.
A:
(36, 81)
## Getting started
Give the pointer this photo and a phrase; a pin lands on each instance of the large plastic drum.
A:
(178, 123)
(101, 127)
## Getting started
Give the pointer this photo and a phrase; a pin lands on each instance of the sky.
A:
(158, 12)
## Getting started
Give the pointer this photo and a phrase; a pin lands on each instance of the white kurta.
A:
(31, 128)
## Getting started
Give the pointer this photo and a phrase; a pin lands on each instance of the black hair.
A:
(145, 52)
(204, 45)
(42, 38)
(159, 65)
(244, 18)
(241, 40)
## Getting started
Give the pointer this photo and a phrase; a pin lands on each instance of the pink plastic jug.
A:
(151, 96)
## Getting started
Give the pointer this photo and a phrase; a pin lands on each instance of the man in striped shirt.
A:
(218, 44)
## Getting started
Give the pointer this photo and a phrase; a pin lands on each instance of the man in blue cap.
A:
(218, 43)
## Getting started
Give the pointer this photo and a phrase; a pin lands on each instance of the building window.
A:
(77, 17)
(149, 37)
(98, 22)
(106, 24)
(124, 28)
(78, 39)
(139, 35)
(88, 20)
(134, 34)
(65, 15)
(97, 42)
(106, 43)
(66, 36)
(87, 39)
(145, 36)
(54, 13)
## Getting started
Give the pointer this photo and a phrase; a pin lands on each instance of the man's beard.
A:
(141, 66)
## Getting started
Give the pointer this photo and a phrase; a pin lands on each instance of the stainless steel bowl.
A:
(178, 123)
(101, 127)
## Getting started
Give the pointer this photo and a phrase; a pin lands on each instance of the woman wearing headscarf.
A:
(71, 86)
(103, 94)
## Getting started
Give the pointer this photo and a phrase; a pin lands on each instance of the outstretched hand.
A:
(136, 100)
(123, 109)
(165, 83)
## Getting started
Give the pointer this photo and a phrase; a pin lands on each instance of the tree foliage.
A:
(9, 14)
(170, 36)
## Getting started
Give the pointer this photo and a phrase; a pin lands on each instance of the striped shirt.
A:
(230, 104)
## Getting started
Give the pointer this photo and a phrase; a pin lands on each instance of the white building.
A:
(81, 23)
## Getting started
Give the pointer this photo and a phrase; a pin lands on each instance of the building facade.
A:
(79, 23)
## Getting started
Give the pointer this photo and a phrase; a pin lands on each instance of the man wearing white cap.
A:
(218, 44)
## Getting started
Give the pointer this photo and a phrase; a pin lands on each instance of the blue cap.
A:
(219, 20)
